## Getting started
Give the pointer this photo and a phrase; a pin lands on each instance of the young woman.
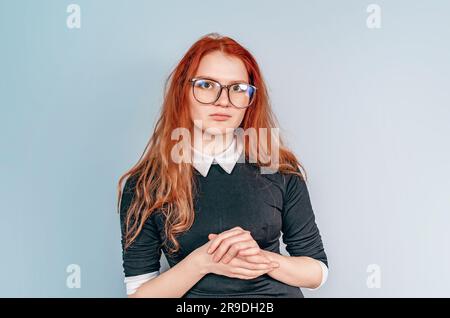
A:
(210, 207)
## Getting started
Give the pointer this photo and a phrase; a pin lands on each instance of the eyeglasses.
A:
(207, 91)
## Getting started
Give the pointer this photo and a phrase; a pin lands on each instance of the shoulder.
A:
(128, 193)
(285, 180)
(295, 188)
(292, 185)
(130, 184)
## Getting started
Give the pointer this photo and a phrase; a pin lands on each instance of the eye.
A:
(239, 88)
(204, 84)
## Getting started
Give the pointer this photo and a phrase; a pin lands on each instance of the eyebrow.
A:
(214, 79)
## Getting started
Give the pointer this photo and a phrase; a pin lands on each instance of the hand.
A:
(236, 242)
(236, 268)
(240, 268)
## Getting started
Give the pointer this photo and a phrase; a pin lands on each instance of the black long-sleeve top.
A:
(267, 205)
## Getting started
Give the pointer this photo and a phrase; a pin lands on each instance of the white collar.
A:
(227, 159)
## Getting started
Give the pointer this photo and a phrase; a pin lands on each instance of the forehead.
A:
(221, 67)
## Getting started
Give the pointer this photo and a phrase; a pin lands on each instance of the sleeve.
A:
(324, 275)
(134, 282)
(143, 255)
(300, 232)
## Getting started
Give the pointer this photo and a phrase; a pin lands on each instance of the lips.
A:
(220, 116)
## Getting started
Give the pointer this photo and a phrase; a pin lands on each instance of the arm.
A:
(307, 265)
(300, 271)
(180, 278)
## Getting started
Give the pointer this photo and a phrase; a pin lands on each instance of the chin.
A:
(219, 129)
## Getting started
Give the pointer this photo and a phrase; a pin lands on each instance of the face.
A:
(225, 70)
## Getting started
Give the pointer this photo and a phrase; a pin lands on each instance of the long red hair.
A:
(168, 186)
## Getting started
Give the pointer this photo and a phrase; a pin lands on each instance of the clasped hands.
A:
(234, 253)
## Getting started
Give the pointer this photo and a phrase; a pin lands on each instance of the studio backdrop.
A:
(360, 88)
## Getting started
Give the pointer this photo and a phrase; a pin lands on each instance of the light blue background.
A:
(366, 110)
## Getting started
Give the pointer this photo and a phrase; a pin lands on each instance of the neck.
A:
(212, 144)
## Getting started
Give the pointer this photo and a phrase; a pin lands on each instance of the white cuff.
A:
(133, 282)
(324, 275)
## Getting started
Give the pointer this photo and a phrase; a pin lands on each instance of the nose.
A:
(223, 99)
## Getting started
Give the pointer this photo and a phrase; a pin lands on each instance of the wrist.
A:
(201, 262)
(273, 257)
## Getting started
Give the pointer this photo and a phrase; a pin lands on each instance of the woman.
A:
(211, 206)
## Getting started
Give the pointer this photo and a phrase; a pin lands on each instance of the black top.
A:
(264, 204)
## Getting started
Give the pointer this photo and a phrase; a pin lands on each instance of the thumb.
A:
(212, 236)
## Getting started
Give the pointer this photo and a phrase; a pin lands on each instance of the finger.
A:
(251, 266)
(260, 259)
(256, 259)
(244, 277)
(252, 276)
(219, 238)
(250, 251)
(235, 248)
(249, 272)
(228, 242)
(212, 236)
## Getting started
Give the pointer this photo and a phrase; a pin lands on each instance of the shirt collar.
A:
(227, 159)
